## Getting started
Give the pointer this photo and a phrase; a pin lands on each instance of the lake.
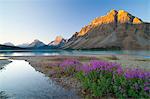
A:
(145, 54)
(18, 80)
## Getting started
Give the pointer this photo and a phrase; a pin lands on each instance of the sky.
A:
(22, 21)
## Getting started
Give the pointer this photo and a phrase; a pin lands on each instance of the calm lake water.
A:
(18, 80)
(145, 54)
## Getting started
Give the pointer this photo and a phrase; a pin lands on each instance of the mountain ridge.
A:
(6, 47)
(117, 30)
(8, 44)
(114, 17)
(36, 43)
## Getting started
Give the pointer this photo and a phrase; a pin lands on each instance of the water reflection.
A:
(20, 81)
(3, 63)
(71, 52)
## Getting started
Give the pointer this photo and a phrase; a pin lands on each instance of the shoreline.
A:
(4, 61)
(126, 60)
(43, 65)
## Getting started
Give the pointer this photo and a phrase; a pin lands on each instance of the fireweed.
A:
(70, 66)
(104, 78)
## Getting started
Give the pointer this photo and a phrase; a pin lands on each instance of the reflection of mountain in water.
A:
(4, 63)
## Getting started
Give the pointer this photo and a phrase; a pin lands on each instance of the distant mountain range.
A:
(6, 47)
(8, 44)
(116, 30)
(36, 44)
(24, 45)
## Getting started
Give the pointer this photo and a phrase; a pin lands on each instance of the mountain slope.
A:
(36, 44)
(116, 30)
(24, 45)
(9, 44)
(5, 47)
(57, 43)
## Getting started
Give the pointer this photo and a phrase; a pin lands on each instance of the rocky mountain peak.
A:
(115, 30)
(112, 17)
(9, 44)
(112, 12)
(124, 17)
(36, 43)
(58, 40)
(137, 20)
(109, 18)
(36, 40)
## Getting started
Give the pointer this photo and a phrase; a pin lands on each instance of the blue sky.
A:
(23, 21)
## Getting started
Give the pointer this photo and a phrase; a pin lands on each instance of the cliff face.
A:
(117, 29)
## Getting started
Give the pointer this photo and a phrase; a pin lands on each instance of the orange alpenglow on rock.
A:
(116, 30)
(58, 39)
(124, 17)
(84, 30)
(137, 20)
(109, 18)
(113, 17)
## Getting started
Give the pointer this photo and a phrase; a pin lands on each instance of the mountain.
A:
(36, 44)
(57, 43)
(8, 44)
(5, 47)
(115, 30)
(24, 45)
